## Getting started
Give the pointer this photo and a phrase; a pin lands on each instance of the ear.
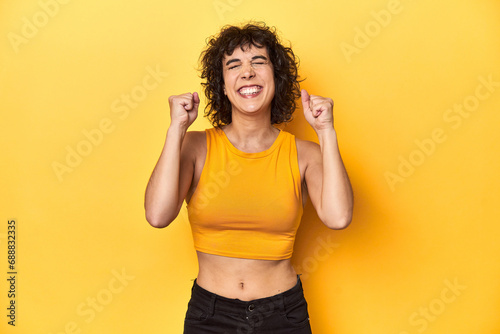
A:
(224, 89)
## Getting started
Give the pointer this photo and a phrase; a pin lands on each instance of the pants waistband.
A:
(213, 302)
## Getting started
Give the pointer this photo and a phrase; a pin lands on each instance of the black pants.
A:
(285, 313)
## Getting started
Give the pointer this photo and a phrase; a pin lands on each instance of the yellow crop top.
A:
(247, 205)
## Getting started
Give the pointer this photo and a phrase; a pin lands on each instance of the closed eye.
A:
(254, 64)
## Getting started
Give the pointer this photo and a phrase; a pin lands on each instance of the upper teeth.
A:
(249, 90)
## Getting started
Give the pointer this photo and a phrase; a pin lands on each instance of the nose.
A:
(247, 71)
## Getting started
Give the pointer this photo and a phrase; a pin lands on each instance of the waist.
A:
(244, 279)
(209, 300)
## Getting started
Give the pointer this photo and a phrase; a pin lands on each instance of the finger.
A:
(188, 102)
(196, 100)
(320, 104)
(318, 110)
(187, 105)
(305, 99)
(314, 105)
(315, 101)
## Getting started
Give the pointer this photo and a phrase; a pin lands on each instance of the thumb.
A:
(196, 100)
(305, 99)
(193, 103)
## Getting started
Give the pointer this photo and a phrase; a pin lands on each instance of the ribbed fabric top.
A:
(247, 205)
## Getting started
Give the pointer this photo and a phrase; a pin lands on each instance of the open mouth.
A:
(250, 91)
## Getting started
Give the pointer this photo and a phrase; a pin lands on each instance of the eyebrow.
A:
(238, 60)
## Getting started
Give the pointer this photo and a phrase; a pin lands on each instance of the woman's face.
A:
(249, 79)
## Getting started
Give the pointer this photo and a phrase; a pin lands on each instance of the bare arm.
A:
(327, 182)
(172, 175)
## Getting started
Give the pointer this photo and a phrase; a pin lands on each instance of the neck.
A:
(251, 131)
(247, 126)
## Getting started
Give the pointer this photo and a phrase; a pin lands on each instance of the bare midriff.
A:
(244, 279)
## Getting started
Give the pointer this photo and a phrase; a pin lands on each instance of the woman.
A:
(245, 183)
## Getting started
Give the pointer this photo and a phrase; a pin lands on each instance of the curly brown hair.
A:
(285, 68)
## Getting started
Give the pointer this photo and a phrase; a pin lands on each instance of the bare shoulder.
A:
(307, 151)
(195, 135)
(195, 142)
(194, 147)
(309, 158)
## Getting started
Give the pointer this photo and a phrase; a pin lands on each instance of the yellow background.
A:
(388, 273)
